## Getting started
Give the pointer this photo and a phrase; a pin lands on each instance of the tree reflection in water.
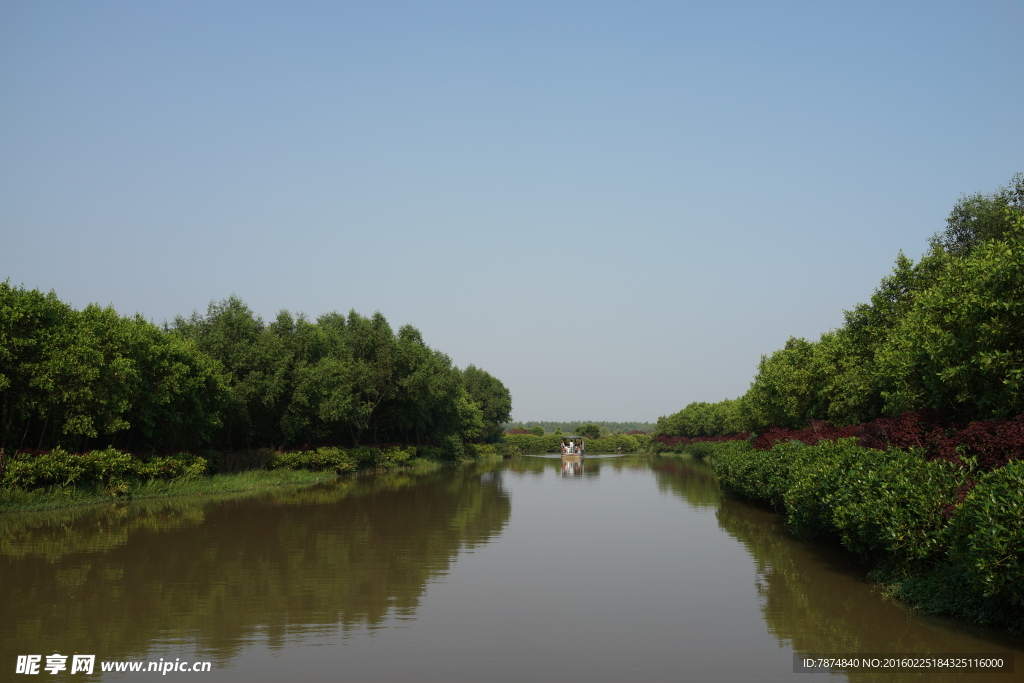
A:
(277, 567)
(815, 597)
(219, 573)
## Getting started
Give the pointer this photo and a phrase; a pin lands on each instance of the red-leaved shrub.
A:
(993, 443)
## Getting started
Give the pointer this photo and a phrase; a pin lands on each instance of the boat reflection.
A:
(572, 465)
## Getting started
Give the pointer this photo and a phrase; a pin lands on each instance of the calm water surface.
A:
(609, 569)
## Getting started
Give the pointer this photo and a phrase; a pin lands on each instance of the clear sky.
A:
(614, 207)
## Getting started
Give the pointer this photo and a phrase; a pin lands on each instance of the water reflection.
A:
(110, 581)
(692, 480)
(572, 466)
(662, 586)
(815, 597)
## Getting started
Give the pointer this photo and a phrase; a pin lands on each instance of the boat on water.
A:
(573, 448)
(573, 445)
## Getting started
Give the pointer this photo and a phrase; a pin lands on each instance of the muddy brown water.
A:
(607, 569)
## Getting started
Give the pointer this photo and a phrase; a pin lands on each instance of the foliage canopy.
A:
(226, 379)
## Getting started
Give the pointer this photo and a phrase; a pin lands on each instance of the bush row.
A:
(112, 470)
(990, 443)
(896, 508)
(678, 444)
(117, 473)
(340, 460)
(345, 460)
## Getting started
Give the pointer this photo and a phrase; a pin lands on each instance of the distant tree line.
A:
(574, 427)
(530, 443)
(943, 334)
(91, 378)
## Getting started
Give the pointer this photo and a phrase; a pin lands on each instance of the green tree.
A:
(703, 419)
(94, 378)
(75, 378)
(958, 348)
(591, 430)
(492, 396)
(179, 395)
(980, 217)
(257, 362)
(941, 333)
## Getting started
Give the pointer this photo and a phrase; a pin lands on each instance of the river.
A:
(631, 568)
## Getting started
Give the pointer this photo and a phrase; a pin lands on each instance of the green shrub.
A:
(336, 459)
(492, 450)
(430, 453)
(643, 441)
(987, 536)
(756, 475)
(699, 450)
(230, 462)
(111, 470)
(507, 450)
(56, 468)
(893, 501)
(392, 457)
(658, 447)
(943, 588)
(532, 443)
(873, 501)
(817, 476)
(611, 444)
(182, 466)
(452, 449)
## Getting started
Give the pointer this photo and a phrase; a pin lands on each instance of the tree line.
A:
(226, 379)
(942, 334)
(549, 427)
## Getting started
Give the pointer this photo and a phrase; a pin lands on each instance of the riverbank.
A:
(18, 500)
(58, 479)
(941, 536)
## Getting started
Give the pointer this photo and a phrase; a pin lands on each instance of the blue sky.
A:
(614, 207)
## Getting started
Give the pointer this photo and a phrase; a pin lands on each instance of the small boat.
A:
(573, 445)
(572, 455)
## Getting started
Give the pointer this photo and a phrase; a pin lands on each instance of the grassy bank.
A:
(58, 479)
(943, 536)
(20, 500)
